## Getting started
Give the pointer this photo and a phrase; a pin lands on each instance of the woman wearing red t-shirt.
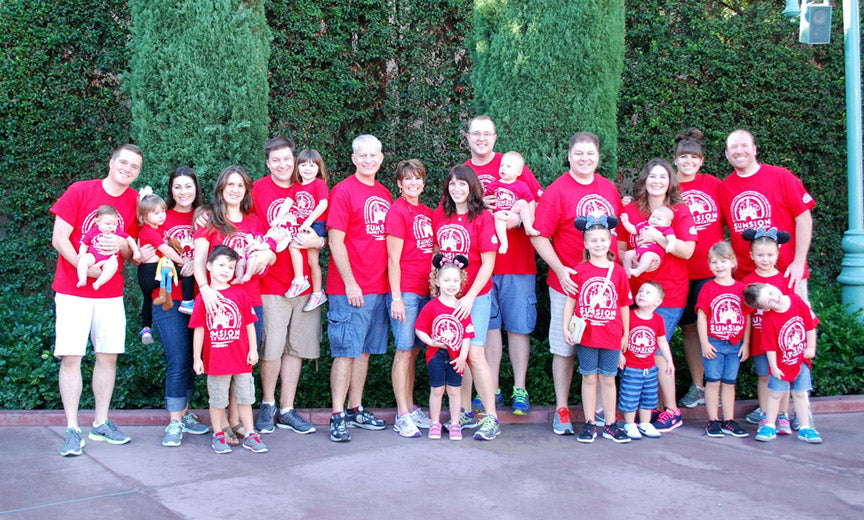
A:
(463, 226)
(657, 186)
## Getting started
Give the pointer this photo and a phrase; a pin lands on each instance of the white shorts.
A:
(102, 319)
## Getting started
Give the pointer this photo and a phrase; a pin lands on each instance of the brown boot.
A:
(161, 298)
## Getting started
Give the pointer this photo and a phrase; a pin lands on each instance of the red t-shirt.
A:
(561, 203)
(149, 235)
(642, 340)
(786, 334)
(437, 320)
(605, 328)
(700, 195)
(457, 235)
(250, 226)
(490, 172)
(92, 238)
(179, 227)
(771, 197)
(267, 198)
(226, 343)
(507, 194)
(673, 273)
(307, 197)
(779, 281)
(413, 224)
(360, 210)
(725, 310)
(77, 207)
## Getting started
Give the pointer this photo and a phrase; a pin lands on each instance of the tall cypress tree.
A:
(199, 86)
(544, 69)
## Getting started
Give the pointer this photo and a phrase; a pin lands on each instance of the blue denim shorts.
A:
(403, 331)
(353, 331)
(519, 310)
(671, 316)
(480, 319)
(724, 366)
(441, 372)
(760, 365)
(689, 316)
(320, 228)
(601, 361)
(638, 389)
(802, 383)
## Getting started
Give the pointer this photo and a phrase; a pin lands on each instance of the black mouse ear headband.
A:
(585, 223)
(781, 237)
(441, 259)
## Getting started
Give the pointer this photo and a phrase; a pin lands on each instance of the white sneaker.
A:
(632, 431)
(421, 420)
(648, 430)
(405, 426)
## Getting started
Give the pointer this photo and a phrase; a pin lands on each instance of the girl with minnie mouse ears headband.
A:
(442, 262)
(591, 224)
(761, 235)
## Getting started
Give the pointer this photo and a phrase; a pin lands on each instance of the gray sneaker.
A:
(693, 398)
(294, 422)
(173, 434)
(252, 442)
(220, 444)
(562, 422)
(600, 418)
(73, 443)
(109, 433)
(363, 418)
(421, 420)
(189, 423)
(264, 423)
(489, 429)
(754, 417)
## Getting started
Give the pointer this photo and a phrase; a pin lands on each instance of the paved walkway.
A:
(525, 473)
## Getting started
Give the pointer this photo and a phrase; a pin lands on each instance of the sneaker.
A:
(562, 422)
(714, 429)
(796, 424)
(489, 429)
(766, 433)
(405, 426)
(809, 435)
(632, 431)
(421, 420)
(734, 429)
(762, 419)
(467, 420)
(265, 423)
(338, 428)
(783, 425)
(292, 420)
(253, 443)
(186, 307)
(668, 420)
(220, 444)
(455, 432)
(146, 336)
(499, 399)
(73, 444)
(173, 434)
(693, 398)
(648, 430)
(109, 433)
(435, 430)
(600, 418)
(316, 299)
(615, 434)
(189, 423)
(363, 418)
(521, 404)
(588, 434)
(477, 404)
(754, 417)
(297, 288)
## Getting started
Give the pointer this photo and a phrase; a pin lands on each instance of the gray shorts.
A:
(557, 345)
(218, 386)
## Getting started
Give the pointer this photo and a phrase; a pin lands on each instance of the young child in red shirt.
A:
(224, 347)
(512, 194)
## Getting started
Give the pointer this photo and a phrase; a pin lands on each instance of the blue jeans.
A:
(173, 329)
(403, 331)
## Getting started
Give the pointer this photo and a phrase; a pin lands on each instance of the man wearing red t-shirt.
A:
(290, 334)
(513, 279)
(757, 195)
(577, 193)
(83, 312)
(357, 285)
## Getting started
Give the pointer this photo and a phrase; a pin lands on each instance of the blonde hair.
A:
(436, 273)
(148, 203)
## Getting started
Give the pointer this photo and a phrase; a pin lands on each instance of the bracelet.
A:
(397, 299)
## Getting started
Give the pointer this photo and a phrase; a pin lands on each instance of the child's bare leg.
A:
(629, 261)
(109, 269)
(773, 406)
(712, 399)
(589, 397)
(527, 216)
(217, 418)
(84, 263)
(644, 264)
(314, 270)
(607, 395)
(240, 269)
(802, 408)
(454, 398)
(644, 415)
(762, 393)
(436, 396)
(630, 417)
(296, 262)
(501, 233)
(245, 411)
(784, 404)
(727, 397)
(233, 410)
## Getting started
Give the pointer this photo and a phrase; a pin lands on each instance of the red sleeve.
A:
(547, 214)
(197, 319)
(395, 224)
(685, 228)
(423, 323)
(338, 211)
(623, 284)
(245, 304)
(795, 196)
(486, 232)
(150, 236)
(321, 192)
(533, 184)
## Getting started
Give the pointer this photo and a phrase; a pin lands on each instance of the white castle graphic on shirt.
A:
(792, 340)
(183, 234)
(304, 204)
(594, 205)
(485, 179)
(422, 229)
(91, 219)
(598, 300)
(224, 324)
(448, 330)
(642, 341)
(240, 242)
(727, 320)
(374, 212)
(750, 209)
(702, 207)
(504, 198)
(273, 212)
(453, 239)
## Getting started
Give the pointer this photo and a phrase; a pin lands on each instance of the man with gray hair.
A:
(357, 285)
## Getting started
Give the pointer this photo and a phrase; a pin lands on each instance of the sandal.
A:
(239, 431)
(231, 437)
